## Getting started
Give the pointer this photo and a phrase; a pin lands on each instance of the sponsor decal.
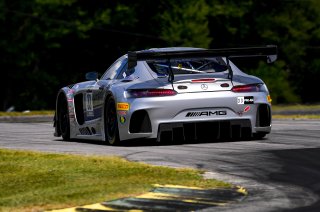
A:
(123, 106)
(122, 113)
(89, 104)
(122, 119)
(207, 113)
(246, 109)
(245, 100)
(204, 86)
(248, 100)
(269, 99)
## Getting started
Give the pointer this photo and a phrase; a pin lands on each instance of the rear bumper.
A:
(218, 112)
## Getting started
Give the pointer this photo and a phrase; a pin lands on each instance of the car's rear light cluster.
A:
(247, 88)
(138, 93)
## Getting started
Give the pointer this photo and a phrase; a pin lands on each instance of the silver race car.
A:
(168, 94)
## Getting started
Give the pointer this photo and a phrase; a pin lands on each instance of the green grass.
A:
(298, 116)
(31, 113)
(295, 107)
(31, 181)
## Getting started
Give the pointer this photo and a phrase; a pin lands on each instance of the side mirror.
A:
(92, 76)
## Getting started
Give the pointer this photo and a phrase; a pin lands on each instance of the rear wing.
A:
(270, 52)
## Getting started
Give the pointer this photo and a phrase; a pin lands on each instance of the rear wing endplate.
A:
(270, 52)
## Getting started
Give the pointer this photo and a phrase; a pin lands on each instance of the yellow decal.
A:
(122, 119)
(123, 106)
(269, 99)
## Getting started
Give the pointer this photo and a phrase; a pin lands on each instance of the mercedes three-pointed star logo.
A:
(204, 86)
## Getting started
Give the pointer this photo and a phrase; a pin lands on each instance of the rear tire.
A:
(63, 120)
(111, 122)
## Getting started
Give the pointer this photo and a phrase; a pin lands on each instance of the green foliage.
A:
(185, 24)
(276, 78)
(47, 44)
(294, 26)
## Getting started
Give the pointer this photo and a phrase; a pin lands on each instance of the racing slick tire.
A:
(111, 122)
(63, 119)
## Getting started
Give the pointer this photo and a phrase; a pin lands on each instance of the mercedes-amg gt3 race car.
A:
(168, 94)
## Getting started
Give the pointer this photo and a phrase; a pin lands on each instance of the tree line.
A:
(48, 44)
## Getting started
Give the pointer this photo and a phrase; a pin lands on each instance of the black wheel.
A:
(63, 120)
(259, 135)
(111, 122)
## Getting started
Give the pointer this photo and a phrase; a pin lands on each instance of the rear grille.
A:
(207, 131)
(263, 116)
(140, 122)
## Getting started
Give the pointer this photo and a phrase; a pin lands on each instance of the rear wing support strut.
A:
(230, 73)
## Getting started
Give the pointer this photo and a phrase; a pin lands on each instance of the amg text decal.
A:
(207, 113)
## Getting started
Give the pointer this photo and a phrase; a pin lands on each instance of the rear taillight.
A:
(138, 93)
(246, 88)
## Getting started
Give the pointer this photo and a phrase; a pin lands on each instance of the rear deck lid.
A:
(207, 84)
(194, 75)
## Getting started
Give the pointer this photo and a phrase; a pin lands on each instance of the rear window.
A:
(189, 66)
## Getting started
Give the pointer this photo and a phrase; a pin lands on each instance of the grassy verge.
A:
(295, 107)
(31, 113)
(31, 181)
(296, 116)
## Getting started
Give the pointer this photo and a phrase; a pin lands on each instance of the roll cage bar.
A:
(269, 51)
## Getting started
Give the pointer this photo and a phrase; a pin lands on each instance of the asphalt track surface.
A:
(281, 172)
